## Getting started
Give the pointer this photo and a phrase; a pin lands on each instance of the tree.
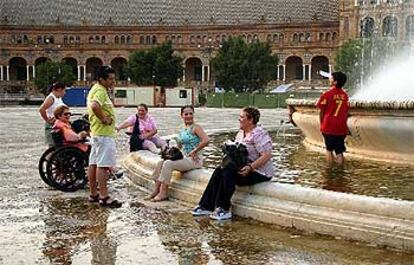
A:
(361, 58)
(244, 67)
(49, 72)
(157, 66)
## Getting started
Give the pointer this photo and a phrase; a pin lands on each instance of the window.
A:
(120, 93)
(367, 27)
(390, 27)
(409, 27)
(183, 94)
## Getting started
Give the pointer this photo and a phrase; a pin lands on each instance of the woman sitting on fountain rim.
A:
(222, 183)
(334, 111)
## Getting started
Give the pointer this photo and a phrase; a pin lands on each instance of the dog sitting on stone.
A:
(235, 156)
(172, 152)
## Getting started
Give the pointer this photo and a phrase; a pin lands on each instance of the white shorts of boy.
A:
(103, 151)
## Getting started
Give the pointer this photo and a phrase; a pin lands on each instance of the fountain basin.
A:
(379, 221)
(382, 131)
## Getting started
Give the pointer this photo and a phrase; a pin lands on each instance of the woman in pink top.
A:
(62, 123)
(147, 127)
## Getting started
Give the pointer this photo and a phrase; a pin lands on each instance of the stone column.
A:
(1, 73)
(202, 74)
(84, 72)
(330, 68)
(8, 72)
(310, 72)
(27, 72)
(79, 72)
(284, 72)
(183, 74)
(208, 73)
(34, 71)
(278, 72)
(304, 72)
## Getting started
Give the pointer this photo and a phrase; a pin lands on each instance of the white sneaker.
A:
(200, 211)
(220, 214)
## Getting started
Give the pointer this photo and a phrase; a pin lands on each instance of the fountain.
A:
(381, 121)
(380, 130)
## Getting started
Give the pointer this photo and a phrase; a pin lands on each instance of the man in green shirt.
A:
(103, 148)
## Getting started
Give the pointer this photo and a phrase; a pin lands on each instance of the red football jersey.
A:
(335, 104)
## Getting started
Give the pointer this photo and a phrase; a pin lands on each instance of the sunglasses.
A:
(67, 114)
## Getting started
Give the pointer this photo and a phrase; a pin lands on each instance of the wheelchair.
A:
(63, 166)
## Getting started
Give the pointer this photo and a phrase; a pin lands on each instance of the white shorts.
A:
(103, 151)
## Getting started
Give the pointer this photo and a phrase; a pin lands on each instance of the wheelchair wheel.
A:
(44, 159)
(66, 169)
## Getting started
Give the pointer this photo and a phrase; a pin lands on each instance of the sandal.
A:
(93, 198)
(112, 204)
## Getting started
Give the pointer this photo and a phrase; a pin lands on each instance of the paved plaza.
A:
(39, 225)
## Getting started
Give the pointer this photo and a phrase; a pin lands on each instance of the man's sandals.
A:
(110, 203)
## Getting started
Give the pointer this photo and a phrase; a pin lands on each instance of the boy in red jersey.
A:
(334, 109)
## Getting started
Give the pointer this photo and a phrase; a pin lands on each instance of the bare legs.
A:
(340, 159)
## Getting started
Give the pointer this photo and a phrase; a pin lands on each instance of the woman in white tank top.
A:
(51, 102)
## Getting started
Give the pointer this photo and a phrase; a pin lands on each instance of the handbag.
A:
(172, 153)
(135, 142)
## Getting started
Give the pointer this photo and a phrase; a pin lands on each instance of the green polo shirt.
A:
(99, 94)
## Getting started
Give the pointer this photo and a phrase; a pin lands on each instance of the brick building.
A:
(305, 34)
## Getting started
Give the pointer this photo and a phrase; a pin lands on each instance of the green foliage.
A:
(155, 66)
(361, 58)
(244, 67)
(49, 72)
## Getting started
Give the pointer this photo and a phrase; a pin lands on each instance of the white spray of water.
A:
(395, 82)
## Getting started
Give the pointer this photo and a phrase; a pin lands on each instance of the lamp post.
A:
(207, 50)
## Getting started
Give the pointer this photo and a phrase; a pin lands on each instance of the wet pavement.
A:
(39, 225)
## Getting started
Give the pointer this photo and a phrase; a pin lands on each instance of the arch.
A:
(129, 40)
(73, 63)
(18, 68)
(193, 69)
(103, 39)
(334, 36)
(122, 39)
(116, 39)
(319, 63)
(294, 68)
(367, 27)
(328, 36)
(41, 60)
(390, 27)
(409, 27)
(154, 40)
(148, 40)
(92, 65)
(119, 64)
(141, 40)
(179, 39)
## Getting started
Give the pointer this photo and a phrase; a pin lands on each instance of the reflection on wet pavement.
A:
(39, 225)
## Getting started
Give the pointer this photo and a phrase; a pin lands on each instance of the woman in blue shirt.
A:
(192, 139)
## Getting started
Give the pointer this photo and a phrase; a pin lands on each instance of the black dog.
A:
(235, 156)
